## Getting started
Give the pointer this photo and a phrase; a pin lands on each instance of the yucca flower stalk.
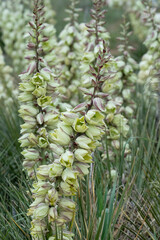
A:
(38, 89)
(78, 134)
(127, 67)
(149, 65)
(116, 122)
(69, 51)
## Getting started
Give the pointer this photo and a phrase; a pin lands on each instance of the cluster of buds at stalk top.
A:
(13, 19)
(8, 91)
(69, 51)
(126, 67)
(149, 65)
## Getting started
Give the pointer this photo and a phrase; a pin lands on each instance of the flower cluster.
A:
(73, 142)
(59, 147)
(69, 51)
(149, 65)
(13, 19)
(8, 91)
(116, 123)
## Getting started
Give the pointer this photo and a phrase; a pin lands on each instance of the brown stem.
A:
(37, 36)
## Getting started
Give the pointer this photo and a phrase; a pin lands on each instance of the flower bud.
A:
(28, 110)
(40, 118)
(30, 154)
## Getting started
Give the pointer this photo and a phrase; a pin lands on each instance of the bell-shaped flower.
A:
(69, 176)
(39, 91)
(24, 140)
(51, 119)
(38, 227)
(67, 159)
(95, 117)
(41, 188)
(83, 155)
(55, 170)
(37, 201)
(68, 117)
(113, 133)
(79, 125)
(26, 87)
(28, 109)
(41, 211)
(51, 197)
(25, 97)
(37, 80)
(42, 142)
(52, 215)
(119, 120)
(60, 137)
(110, 107)
(86, 143)
(57, 149)
(68, 189)
(43, 172)
(81, 168)
(67, 204)
(66, 128)
(94, 132)
(44, 101)
(126, 93)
